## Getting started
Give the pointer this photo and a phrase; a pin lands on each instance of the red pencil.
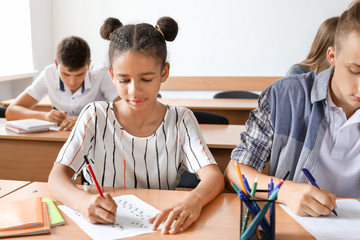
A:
(93, 176)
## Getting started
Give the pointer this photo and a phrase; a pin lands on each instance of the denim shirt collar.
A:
(321, 85)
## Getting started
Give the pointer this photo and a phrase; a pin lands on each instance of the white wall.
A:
(41, 15)
(35, 37)
(216, 38)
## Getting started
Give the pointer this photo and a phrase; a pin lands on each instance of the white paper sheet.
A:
(131, 219)
(54, 128)
(344, 226)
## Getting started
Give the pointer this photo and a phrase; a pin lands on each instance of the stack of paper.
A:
(29, 125)
(28, 217)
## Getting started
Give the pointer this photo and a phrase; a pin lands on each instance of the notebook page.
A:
(344, 226)
(132, 217)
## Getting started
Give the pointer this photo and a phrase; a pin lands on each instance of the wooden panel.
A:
(253, 83)
(27, 160)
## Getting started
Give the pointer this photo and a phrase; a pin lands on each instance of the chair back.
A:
(237, 94)
(2, 112)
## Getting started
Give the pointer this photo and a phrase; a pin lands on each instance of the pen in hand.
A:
(313, 182)
(93, 176)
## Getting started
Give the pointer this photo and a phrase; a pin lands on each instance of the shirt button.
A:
(72, 111)
(342, 130)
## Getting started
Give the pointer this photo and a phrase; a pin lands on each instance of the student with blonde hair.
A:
(317, 59)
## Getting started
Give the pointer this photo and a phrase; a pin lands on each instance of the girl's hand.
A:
(97, 209)
(306, 200)
(178, 217)
(68, 124)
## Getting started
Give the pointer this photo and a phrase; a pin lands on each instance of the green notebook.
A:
(55, 217)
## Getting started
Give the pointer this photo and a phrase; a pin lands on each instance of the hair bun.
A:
(109, 26)
(168, 27)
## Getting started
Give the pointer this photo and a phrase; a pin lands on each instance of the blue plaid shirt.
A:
(288, 127)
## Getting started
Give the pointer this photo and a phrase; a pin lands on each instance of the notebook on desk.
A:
(29, 125)
(24, 217)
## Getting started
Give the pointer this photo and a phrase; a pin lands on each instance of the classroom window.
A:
(15, 41)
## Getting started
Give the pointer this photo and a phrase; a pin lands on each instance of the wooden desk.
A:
(30, 156)
(235, 110)
(219, 83)
(8, 186)
(43, 105)
(220, 219)
(221, 140)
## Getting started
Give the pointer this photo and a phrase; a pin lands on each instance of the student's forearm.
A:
(250, 174)
(211, 185)
(18, 112)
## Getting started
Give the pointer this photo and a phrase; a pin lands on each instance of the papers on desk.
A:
(132, 217)
(29, 125)
(54, 128)
(344, 226)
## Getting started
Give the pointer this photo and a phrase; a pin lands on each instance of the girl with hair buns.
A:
(137, 142)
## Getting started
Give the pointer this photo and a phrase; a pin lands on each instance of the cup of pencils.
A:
(257, 222)
(257, 217)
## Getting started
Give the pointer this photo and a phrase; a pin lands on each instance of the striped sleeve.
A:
(80, 139)
(195, 151)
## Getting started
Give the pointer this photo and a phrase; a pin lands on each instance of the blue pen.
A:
(255, 205)
(257, 220)
(272, 212)
(263, 224)
(246, 184)
(313, 182)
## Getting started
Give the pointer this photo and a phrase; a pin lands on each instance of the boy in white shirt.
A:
(70, 82)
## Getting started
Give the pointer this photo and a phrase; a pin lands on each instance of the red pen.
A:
(93, 176)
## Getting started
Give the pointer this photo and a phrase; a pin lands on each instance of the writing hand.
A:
(97, 209)
(306, 200)
(55, 116)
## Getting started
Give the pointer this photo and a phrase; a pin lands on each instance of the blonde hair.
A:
(316, 59)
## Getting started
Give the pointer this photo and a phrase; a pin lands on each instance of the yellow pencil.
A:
(240, 177)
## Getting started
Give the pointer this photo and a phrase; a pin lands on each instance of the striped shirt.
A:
(122, 160)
